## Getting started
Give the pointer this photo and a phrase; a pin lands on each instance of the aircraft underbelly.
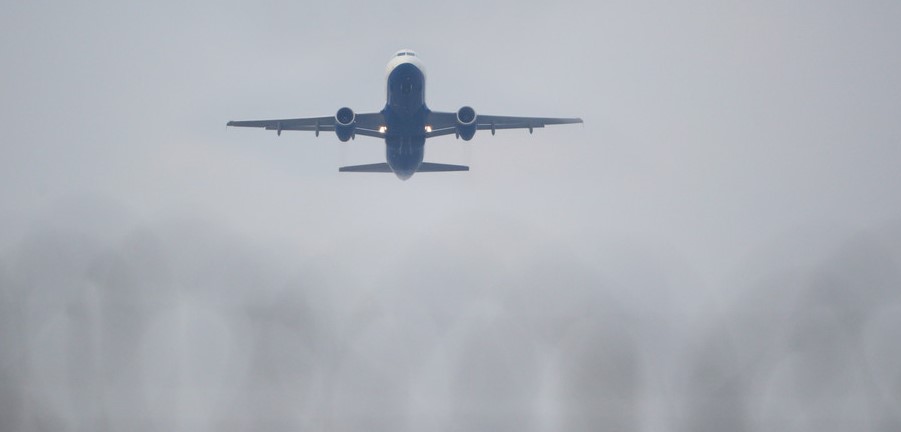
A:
(405, 116)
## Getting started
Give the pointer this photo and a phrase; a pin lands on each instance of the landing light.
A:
(383, 129)
(428, 129)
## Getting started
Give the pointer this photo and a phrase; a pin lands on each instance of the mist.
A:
(717, 248)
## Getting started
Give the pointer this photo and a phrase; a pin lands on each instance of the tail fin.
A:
(376, 167)
(436, 167)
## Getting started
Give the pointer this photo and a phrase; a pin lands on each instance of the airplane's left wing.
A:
(367, 124)
(445, 123)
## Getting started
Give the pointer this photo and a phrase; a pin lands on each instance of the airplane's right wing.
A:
(445, 123)
(367, 124)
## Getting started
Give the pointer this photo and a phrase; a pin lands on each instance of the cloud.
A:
(182, 324)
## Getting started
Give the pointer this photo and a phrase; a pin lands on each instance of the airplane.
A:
(405, 122)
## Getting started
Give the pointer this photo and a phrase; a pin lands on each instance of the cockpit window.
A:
(405, 53)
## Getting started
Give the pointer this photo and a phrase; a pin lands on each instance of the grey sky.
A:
(717, 248)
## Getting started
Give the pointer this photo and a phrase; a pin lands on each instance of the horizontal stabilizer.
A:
(384, 168)
(376, 167)
(436, 167)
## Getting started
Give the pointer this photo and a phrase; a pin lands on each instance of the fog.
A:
(717, 248)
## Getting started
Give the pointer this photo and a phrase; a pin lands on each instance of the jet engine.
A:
(466, 123)
(345, 123)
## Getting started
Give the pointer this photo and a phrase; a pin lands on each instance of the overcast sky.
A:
(717, 248)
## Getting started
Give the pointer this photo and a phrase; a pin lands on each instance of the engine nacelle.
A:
(345, 124)
(466, 123)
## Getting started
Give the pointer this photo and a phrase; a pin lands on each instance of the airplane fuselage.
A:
(405, 115)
